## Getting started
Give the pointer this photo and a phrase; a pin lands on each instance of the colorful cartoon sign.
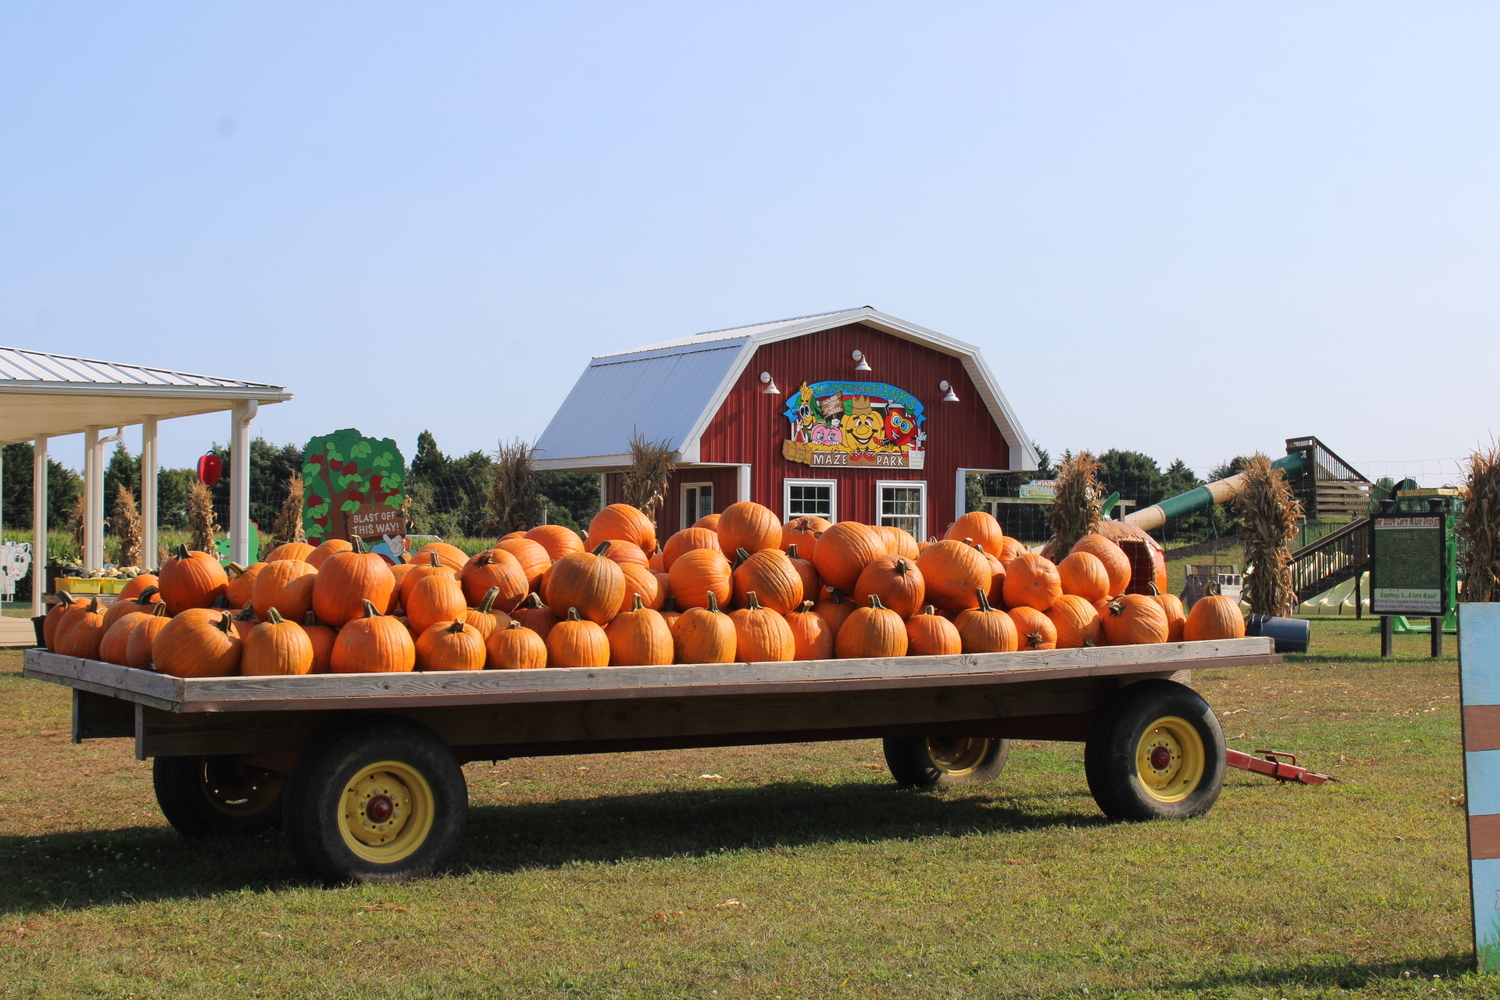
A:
(862, 424)
(354, 487)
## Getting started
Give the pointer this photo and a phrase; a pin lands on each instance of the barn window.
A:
(903, 505)
(810, 498)
(697, 502)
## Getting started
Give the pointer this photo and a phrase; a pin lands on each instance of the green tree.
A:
(123, 470)
(270, 469)
(63, 487)
(576, 493)
(1132, 474)
(172, 488)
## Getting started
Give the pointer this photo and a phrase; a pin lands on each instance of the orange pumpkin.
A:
(66, 605)
(81, 632)
(115, 646)
(450, 646)
(578, 642)
(871, 631)
(770, 575)
(641, 582)
(433, 600)
(1214, 616)
(515, 647)
(1010, 549)
(245, 620)
(686, 541)
(1116, 562)
(1132, 619)
(986, 629)
(1076, 621)
(930, 634)
(804, 533)
(1032, 581)
(1034, 627)
(535, 615)
(811, 584)
(372, 643)
(144, 600)
(276, 646)
(843, 552)
(981, 526)
(329, 547)
(1171, 605)
(484, 618)
(670, 612)
(494, 569)
(290, 550)
(704, 635)
(142, 639)
(698, 574)
(896, 581)
(587, 581)
(899, 542)
(533, 558)
(750, 526)
(954, 571)
(626, 554)
(199, 642)
(812, 639)
(451, 556)
(430, 565)
(1083, 574)
(322, 638)
(191, 580)
(761, 635)
(835, 609)
(241, 583)
(624, 523)
(709, 521)
(556, 539)
(346, 581)
(137, 584)
(286, 585)
(638, 637)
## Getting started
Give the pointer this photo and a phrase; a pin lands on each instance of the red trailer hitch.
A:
(1273, 764)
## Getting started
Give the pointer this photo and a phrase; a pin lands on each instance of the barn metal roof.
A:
(673, 388)
(42, 393)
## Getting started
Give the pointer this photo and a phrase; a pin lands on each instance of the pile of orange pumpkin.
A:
(736, 586)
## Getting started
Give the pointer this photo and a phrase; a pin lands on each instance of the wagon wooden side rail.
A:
(365, 768)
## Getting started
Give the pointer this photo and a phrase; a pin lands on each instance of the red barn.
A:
(851, 415)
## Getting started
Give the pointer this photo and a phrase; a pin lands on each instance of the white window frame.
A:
(917, 484)
(786, 496)
(688, 522)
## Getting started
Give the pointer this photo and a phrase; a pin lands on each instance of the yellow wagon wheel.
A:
(387, 812)
(1169, 759)
(958, 755)
(1156, 752)
(238, 791)
(931, 761)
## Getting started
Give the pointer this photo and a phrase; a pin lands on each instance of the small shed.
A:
(853, 415)
(45, 395)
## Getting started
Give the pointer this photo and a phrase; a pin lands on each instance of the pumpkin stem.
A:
(238, 569)
(984, 599)
(638, 605)
(1034, 640)
(488, 600)
(602, 550)
(455, 628)
(929, 610)
(159, 610)
(247, 613)
(807, 607)
(370, 611)
(669, 605)
(484, 558)
(573, 615)
(533, 602)
(182, 551)
(221, 603)
(144, 597)
(310, 619)
(1211, 588)
(902, 567)
(838, 596)
(94, 606)
(514, 624)
(225, 623)
(713, 602)
(274, 617)
(358, 543)
(875, 602)
(751, 601)
(740, 555)
(1152, 589)
(791, 551)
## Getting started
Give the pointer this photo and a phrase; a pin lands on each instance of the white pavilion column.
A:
(742, 484)
(92, 556)
(149, 556)
(38, 525)
(239, 480)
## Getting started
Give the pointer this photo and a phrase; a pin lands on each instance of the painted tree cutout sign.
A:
(355, 486)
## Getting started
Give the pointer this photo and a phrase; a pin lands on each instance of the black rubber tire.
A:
(910, 759)
(211, 796)
(1110, 755)
(315, 802)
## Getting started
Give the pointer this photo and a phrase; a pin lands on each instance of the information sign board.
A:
(1409, 568)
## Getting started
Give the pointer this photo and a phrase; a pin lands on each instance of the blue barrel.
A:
(1292, 635)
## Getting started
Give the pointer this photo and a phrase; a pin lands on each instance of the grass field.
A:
(796, 871)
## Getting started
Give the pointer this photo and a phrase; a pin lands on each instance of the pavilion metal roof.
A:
(42, 393)
(672, 389)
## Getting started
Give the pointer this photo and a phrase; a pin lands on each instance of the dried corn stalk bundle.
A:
(513, 503)
(1075, 511)
(201, 524)
(650, 470)
(288, 527)
(1479, 527)
(125, 523)
(1268, 517)
(77, 516)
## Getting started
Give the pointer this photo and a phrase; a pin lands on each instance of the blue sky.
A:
(1189, 229)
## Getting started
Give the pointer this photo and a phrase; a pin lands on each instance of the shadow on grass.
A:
(138, 864)
(1344, 976)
